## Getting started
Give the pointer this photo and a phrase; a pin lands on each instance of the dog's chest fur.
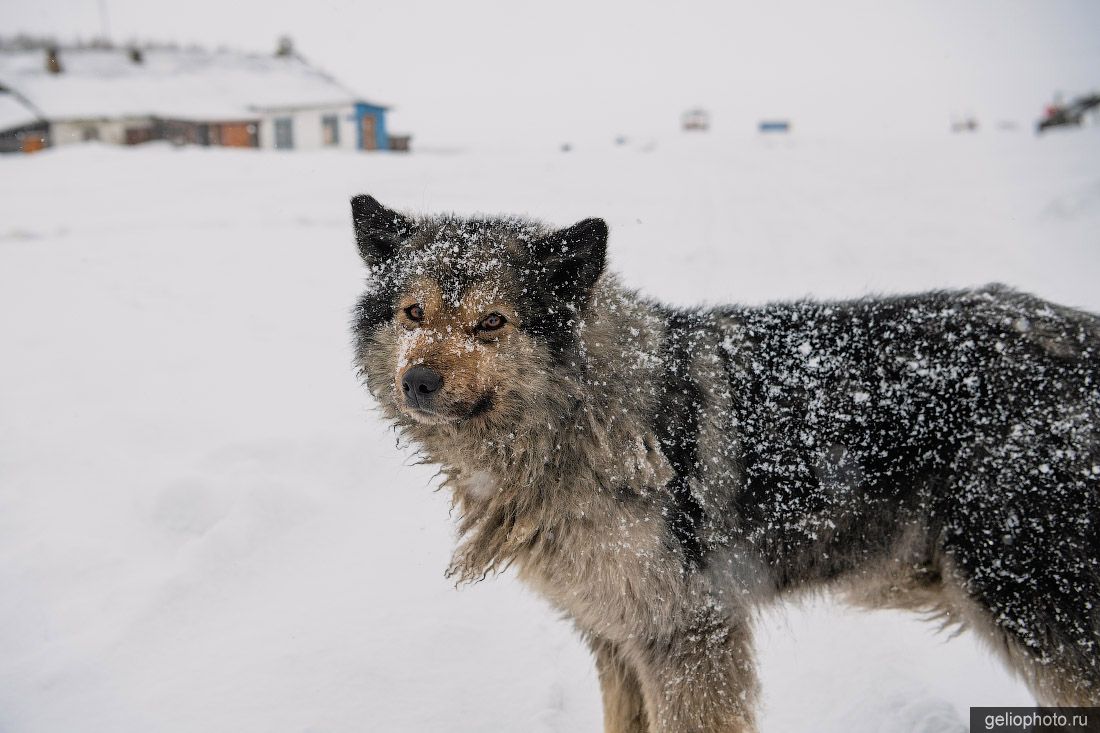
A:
(605, 562)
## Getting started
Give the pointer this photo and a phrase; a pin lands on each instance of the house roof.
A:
(13, 113)
(190, 84)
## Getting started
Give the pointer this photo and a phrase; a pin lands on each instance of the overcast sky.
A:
(579, 70)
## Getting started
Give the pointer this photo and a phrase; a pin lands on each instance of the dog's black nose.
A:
(420, 383)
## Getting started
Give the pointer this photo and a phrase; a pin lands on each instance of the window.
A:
(284, 133)
(330, 130)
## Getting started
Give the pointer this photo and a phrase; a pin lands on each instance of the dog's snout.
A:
(420, 383)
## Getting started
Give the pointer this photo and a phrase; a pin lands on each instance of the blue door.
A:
(284, 133)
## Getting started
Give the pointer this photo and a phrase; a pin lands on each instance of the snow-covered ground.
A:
(205, 527)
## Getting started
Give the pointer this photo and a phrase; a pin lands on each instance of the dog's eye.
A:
(415, 312)
(491, 322)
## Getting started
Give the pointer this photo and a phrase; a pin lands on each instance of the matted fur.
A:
(659, 474)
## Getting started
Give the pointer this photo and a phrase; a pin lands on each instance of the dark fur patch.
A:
(378, 230)
(482, 406)
(679, 408)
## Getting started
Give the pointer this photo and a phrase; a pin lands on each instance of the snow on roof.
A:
(186, 84)
(14, 113)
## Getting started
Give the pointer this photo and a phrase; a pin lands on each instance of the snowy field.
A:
(205, 527)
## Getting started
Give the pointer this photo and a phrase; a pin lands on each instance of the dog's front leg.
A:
(699, 680)
(623, 705)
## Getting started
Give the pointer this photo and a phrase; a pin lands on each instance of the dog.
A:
(659, 473)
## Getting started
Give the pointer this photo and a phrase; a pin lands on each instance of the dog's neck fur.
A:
(508, 472)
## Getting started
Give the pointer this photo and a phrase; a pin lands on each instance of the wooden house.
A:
(186, 96)
(350, 125)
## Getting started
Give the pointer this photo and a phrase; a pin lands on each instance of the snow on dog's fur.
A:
(658, 473)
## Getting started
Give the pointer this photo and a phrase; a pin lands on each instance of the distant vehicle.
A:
(695, 120)
(1071, 114)
(965, 124)
(768, 126)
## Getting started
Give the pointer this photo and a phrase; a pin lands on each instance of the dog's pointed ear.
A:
(572, 259)
(378, 230)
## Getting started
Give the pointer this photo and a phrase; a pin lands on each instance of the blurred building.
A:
(126, 96)
(22, 128)
(695, 120)
(774, 126)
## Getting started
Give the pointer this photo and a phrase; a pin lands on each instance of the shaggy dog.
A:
(658, 473)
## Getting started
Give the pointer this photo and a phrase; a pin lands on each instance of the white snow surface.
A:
(204, 526)
(188, 84)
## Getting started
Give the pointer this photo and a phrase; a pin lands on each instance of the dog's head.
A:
(461, 316)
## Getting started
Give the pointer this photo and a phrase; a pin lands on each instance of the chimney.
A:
(53, 60)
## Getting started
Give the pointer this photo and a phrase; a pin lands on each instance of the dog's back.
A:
(952, 432)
